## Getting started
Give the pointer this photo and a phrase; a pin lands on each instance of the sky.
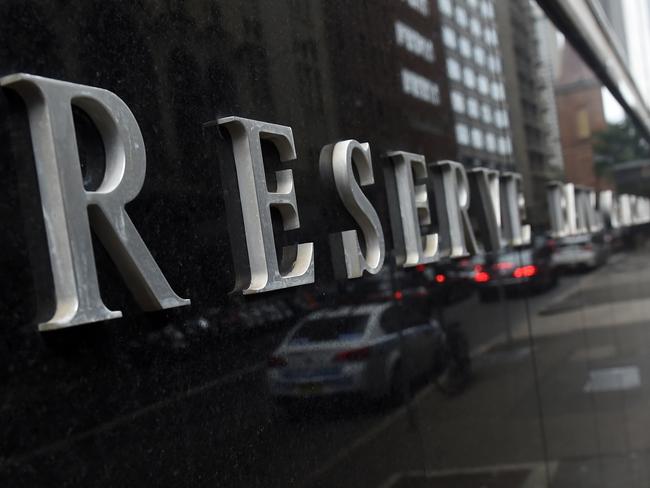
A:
(637, 32)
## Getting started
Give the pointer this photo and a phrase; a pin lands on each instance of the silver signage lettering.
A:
(70, 211)
(256, 203)
(642, 210)
(484, 184)
(588, 219)
(344, 155)
(608, 208)
(452, 202)
(625, 210)
(410, 209)
(513, 211)
(562, 209)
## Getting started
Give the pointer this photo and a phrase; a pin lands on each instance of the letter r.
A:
(70, 211)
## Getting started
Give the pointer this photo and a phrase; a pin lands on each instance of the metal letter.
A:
(256, 203)
(68, 208)
(513, 211)
(410, 209)
(452, 202)
(588, 220)
(344, 155)
(562, 209)
(484, 185)
(608, 207)
(625, 210)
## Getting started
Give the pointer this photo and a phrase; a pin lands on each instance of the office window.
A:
(485, 10)
(489, 9)
(490, 61)
(483, 85)
(505, 146)
(458, 101)
(453, 69)
(477, 138)
(465, 46)
(490, 37)
(497, 65)
(490, 142)
(420, 87)
(445, 7)
(487, 37)
(582, 123)
(479, 55)
(494, 90)
(413, 41)
(462, 134)
(461, 16)
(472, 4)
(501, 145)
(486, 113)
(449, 37)
(501, 119)
(421, 6)
(475, 27)
(498, 91)
(472, 107)
(469, 78)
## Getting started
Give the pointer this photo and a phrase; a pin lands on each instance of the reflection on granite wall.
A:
(414, 377)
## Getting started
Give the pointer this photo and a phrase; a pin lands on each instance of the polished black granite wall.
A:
(179, 398)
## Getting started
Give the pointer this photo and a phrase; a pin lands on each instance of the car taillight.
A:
(398, 295)
(587, 246)
(276, 362)
(359, 354)
(504, 265)
(440, 278)
(480, 276)
(525, 271)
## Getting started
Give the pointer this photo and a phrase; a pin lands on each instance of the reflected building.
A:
(389, 74)
(530, 96)
(581, 114)
(476, 86)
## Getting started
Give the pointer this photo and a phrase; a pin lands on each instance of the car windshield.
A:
(347, 328)
(571, 241)
(516, 257)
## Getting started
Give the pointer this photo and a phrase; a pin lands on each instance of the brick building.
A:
(581, 115)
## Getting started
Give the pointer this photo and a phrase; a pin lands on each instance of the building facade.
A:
(476, 84)
(581, 114)
(528, 87)
(182, 183)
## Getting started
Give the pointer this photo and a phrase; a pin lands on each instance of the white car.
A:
(368, 349)
(583, 251)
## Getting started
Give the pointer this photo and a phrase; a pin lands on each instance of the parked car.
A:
(585, 251)
(517, 270)
(370, 349)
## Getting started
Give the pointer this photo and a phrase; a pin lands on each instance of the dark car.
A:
(516, 270)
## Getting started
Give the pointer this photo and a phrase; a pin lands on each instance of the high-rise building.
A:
(528, 87)
(475, 77)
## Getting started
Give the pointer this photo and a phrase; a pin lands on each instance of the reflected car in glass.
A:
(522, 270)
(587, 251)
(370, 349)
